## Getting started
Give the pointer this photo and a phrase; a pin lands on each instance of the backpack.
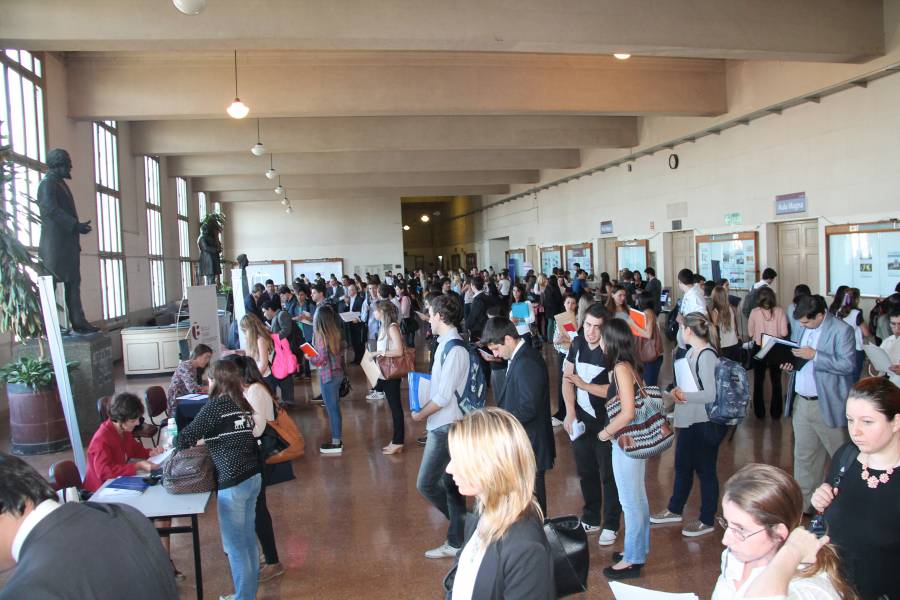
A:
(732, 392)
(285, 363)
(749, 302)
(475, 392)
(672, 323)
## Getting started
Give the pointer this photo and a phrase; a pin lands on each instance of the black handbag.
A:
(345, 386)
(271, 443)
(409, 325)
(569, 549)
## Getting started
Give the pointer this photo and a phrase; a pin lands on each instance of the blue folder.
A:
(519, 310)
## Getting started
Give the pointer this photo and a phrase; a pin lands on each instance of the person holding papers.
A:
(526, 394)
(891, 346)
(356, 329)
(766, 319)
(697, 441)
(187, 376)
(649, 337)
(817, 393)
(561, 343)
(617, 303)
(390, 344)
(521, 312)
(585, 384)
(329, 362)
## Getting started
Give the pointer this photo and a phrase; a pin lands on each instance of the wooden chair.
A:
(64, 474)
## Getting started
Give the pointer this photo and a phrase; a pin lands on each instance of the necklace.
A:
(872, 481)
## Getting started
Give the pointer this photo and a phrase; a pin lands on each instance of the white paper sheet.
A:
(878, 357)
(684, 377)
(161, 458)
(349, 316)
(624, 591)
(577, 430)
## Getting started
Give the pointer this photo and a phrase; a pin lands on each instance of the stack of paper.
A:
(777, 351)
(371, 369)
(161, 458)
(880, 360)
(631, 592)
(349, 316)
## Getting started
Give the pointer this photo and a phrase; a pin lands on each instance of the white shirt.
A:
(448, 380)
(805, 382)
(30, 522)
(891, 345)
(850, 320)
(504, 287)
(514, 352)
(817, 587)
(467, 568)
(693, 301)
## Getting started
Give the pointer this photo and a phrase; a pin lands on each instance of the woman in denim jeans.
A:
(329, 362)
(225, 425)
(619, 347)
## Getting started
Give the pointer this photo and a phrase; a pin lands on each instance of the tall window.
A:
(154, 231)
(204, 207)
(109, 219)
(22, 128)
(184, 243)
(217, 207)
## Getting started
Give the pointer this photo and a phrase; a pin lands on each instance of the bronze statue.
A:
(60, 249)
(210, 251)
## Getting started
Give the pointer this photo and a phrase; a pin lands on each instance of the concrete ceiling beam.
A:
(811, 30)
(362, 194)
(168, 85)
(365, 180)
(334, 134)
(314, 163)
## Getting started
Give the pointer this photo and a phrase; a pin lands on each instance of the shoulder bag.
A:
(397, 367)
(189, 471)
(648, 433)
(569, 550)
(281, 441)
(649, 349)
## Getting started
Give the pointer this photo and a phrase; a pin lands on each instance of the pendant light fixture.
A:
(190, 7)
(271, 173)
(279, 189)
(258, 149)
(287, 203)
(237, 109)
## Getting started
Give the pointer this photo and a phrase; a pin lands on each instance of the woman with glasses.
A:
(768, 554)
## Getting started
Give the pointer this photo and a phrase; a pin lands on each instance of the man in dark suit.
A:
(75, 551)
(253, 302)
(526, 394)
(356, 330)
(272, 295)
(478, 313)
(654, 286)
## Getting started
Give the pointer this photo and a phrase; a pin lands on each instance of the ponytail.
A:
(700, 325)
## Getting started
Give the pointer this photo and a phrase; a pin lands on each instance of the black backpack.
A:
(749, 302)
(671, 322)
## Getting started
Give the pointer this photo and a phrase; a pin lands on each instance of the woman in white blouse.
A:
(764, 558)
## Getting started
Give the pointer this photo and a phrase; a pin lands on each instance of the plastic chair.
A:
(155, 403)
(64, 474)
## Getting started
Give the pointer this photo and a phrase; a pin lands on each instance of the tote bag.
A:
(649, 432)
(285, 363)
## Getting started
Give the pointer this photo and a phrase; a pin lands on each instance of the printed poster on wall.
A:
(581, 256)
(868, 261)
(734, 260)
(205, 317)
(550, 259)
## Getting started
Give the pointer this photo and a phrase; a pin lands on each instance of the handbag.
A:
(409, 325)
(649, 432)
(281, 441)
(649, 349)
(345, 386)
(396, 367)
(189, 471)
(285, 363)
(569, 550)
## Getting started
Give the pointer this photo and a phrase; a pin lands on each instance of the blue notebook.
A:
(128, 483)
(520, 310)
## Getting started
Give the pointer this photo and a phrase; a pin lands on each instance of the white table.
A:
(157, 503)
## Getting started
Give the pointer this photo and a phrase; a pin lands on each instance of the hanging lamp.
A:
(237, 109)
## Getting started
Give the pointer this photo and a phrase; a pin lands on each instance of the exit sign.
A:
(733, 218)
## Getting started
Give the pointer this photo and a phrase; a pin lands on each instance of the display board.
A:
(260, 271)
(325, 266)
(633, 255)
(551, 258)
(514, 261)
(864, 256)
(732, 256)
(582, 254)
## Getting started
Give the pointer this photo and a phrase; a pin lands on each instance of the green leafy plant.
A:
(225, 289)
(36, 373)
(214, 221)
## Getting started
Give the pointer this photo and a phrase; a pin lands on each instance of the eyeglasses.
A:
(738, 533)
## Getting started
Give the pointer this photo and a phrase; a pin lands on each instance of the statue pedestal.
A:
(92, 379)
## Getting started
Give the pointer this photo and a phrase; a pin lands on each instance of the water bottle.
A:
(171, 431)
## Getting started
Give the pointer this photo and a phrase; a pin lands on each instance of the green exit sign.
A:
(733, 218)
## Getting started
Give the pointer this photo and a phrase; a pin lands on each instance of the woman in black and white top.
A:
(491, 459)
(390, 344)
(225, 425)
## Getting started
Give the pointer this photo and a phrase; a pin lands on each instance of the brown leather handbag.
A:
(289, 443)
(397, 367)
(189, 471)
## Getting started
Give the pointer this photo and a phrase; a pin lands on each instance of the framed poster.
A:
(260, 271)
(732, 256)
(864, 256)
(515, 259)
(583, 254)
(309, 267)
(633, 255)
(551, 258)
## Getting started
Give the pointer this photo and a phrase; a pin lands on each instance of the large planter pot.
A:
(37, 423)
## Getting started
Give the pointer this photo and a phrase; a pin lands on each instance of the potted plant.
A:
(37, 424)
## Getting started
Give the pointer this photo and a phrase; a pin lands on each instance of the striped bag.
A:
(649, 432)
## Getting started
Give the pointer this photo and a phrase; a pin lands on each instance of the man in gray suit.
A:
(817, 393)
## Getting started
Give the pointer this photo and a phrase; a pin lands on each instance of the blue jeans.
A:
(331, 394)
(438, 487)
(629, 473)
(237, 524)
(697, 449)
(651, 371)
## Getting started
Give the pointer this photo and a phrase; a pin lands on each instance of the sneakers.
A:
(329, 448)
(445, 550)
(555, 422)
(588, 528)
(696, 529)
(422, 440)
(373, 395)
(665, 516)
(267, 572)
(607, 537)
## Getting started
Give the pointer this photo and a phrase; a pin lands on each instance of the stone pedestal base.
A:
(92, 379)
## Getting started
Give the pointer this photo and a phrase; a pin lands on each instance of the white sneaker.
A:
(373, 395)
(555, 422)
(445, 550)
(590, 528)
(607, 537)
(228, 597)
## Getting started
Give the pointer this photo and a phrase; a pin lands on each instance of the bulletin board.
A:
(551, 258)
(582, 254)
(633, 255)
(515, 260)
(309, 267)
(864, 256)
(733, 256)
(260, 271)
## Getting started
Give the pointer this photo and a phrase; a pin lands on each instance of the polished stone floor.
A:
(354, 526)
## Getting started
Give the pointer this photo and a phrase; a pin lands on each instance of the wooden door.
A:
(683, 257)
(608, 262)
(798, 259)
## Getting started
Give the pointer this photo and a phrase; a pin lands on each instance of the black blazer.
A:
(518, 567)
(478, 314)
(526, 394)
(355, 305)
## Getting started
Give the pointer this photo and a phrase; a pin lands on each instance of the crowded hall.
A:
(472, 300)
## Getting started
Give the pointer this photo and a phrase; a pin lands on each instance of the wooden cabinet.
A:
(148, 350)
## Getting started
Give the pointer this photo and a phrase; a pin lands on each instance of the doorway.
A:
(681, 256)
(798, 258)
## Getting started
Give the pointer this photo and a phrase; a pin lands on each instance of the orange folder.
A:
(640, 320)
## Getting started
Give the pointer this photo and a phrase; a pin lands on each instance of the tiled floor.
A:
(354, 526)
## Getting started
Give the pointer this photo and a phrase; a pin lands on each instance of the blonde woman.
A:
(259, 343)
(330, 365)
(491, 459)
(390, 344)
